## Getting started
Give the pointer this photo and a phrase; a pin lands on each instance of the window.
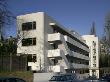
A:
(28, 26)
(32, 58)
(94, 65)
(34, 25)
(29, 58)
(94, 51)
(54, 46)
(94, 44)
(28, 41)
(94, 57)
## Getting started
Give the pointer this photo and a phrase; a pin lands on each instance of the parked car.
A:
(63, 78)
(105, 78)
(91, 79)
(11, 79)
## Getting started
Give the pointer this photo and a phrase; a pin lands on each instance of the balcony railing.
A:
(55, 37)
(70, 40)
(78, 66)
(58, 53)
(55, 53)
(78, 55)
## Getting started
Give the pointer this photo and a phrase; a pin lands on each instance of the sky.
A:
(72, 14)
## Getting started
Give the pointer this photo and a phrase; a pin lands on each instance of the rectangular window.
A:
(94, 57)
(94, 65)
(28, 41)
(54, 46)
(29, 58)
(32, 58)
(34, 25)
(28, 26)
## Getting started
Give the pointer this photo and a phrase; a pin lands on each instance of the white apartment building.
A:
(93, 43)
(49, 46)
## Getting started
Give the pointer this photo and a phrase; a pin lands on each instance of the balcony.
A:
(78, 55)
(94, 68)
(79, 66)
(70, 40)
(56, 68)
(67, 32)
(55, 37)
(55, 53)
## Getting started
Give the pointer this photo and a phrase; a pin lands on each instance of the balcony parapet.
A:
(55, 53)
(55, 37)
(56, 68)
(72, 41)
(78, 55)
(79, 66)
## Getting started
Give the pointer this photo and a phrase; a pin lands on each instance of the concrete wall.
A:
(43, 77)
(89, 41)
(39, 31)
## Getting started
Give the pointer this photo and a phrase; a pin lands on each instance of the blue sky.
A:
(75, 14)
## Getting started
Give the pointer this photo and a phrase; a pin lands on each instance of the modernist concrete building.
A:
(49, 46)
(93, 43)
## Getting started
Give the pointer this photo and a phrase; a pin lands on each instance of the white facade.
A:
(93, 43)
(56, 48)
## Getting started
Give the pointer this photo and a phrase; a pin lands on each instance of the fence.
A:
(13, 63)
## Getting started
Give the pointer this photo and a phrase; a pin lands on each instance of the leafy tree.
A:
(104, 53)
(105, 44)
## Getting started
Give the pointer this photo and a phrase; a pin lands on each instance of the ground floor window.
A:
(32, 58)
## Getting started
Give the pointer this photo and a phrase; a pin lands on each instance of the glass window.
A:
(28, 41)
(94, 65)
(34, 41)
(34, 25)
(69, 77)
(29, 58)
(94, 57)
(28, 26)
(34, 58)
(58, 78)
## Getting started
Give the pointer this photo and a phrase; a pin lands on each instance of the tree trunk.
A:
(10, 62)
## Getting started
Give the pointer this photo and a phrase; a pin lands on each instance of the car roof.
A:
(9, 78)
(63, 75)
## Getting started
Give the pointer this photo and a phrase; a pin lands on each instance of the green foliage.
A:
(104, 54)
(8, 46)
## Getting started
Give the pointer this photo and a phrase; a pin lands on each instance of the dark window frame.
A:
(29, 42)
(29, 26)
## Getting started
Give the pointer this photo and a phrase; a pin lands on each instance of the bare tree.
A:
(5, 16)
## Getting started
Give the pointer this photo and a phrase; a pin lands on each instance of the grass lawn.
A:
(26, 75)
